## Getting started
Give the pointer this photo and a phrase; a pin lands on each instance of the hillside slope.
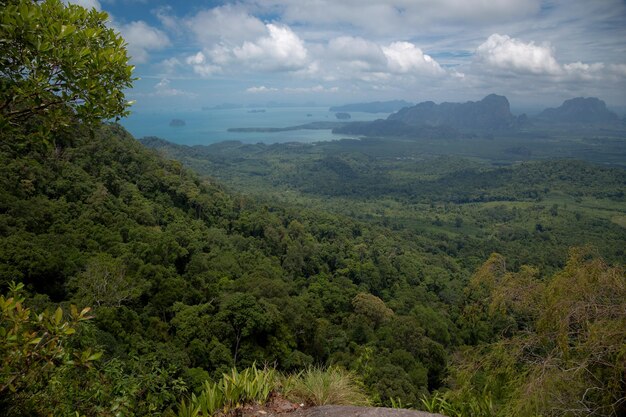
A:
(187, 280)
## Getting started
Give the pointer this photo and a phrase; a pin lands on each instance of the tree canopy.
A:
(58, 63)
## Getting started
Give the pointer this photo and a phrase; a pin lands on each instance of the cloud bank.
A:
(501, 52)
(385, 49)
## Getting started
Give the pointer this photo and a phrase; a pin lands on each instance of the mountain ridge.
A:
(589, 110)
(491, 114)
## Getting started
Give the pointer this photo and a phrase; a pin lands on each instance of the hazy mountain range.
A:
(589, 110)
(491, 113)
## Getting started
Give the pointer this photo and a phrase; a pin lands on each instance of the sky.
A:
(196, 53)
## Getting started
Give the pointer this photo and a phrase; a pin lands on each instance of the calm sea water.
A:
(210, 126)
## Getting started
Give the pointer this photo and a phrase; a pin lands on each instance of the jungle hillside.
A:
(141, 277)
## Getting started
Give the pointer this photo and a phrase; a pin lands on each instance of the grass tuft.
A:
(317, 386)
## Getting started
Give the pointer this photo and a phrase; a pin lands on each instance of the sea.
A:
(204, 127)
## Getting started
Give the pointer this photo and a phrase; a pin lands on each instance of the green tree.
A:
(33, 350)
(371, 307)
(568, 356)
(245, 317)
(58, 63)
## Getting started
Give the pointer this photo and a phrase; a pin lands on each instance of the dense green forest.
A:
(187, 280)
(133, 286)
(531, 212)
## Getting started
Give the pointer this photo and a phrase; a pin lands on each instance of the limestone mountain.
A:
(429, 119)
(587, 110)
(492, 112)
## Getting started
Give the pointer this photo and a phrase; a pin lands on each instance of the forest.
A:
(141, 282)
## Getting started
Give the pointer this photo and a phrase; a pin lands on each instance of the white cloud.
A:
(291, 90)
(584, 71)
(228, 24)
(404, 57)
(196, 59)
(282, 49)
(170, 65)
(261, 89)
(279, 50)
(358, 59)
(201, 66)
(142, 38)
(501, 52)
(314, 89)
(359, 52)
(163, 89)
(504, 52)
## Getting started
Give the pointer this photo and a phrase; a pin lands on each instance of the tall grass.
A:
(480, 406)
(317, 386)
(314, 386)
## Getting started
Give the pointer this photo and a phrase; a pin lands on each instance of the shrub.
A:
(232, 391)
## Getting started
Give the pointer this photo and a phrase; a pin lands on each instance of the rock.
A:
(351, 411)
(177, 123)
(342, 116)
(590, 110)
(492, 112)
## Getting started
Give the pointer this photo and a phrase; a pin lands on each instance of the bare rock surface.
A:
(351, 411)
(331, 411)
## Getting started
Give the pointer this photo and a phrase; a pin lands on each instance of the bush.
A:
(232, 391)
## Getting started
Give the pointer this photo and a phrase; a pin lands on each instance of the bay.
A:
(204, 127)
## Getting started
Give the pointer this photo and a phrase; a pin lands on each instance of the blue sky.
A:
(191, 54)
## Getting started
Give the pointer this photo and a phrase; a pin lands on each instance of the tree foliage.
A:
(565, 355)
(33, 350)
(58, 63)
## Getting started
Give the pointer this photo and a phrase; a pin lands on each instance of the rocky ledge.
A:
(335, 411)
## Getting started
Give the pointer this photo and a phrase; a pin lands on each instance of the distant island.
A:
(492, 112)
(256, 111)
(373, 107)
(579, 110)
(307, 126)
(471, 119)
(177, 123)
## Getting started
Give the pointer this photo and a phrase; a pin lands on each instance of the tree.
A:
(33, 349)
(58, 63)
(245, 317)
(104, 282)
(372, 307)
(567, 358)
